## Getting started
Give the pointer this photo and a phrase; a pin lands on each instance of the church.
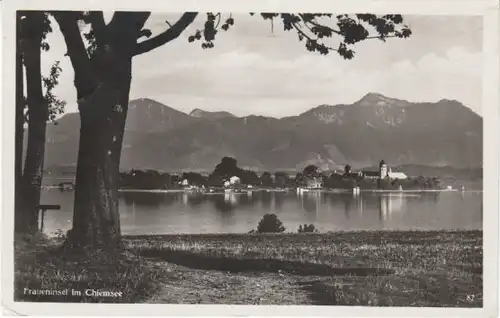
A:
(384, 171)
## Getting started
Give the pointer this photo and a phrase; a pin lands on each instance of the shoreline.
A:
(336, 191)
(332, 234)
(285, 235)
(292, 190)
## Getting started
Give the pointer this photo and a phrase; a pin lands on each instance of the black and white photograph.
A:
(250, 157)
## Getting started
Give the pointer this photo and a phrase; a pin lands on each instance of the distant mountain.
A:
(147, 115)
(442, 133)
(361, 134)
(144, 116)
(199, 113)
(471, 174)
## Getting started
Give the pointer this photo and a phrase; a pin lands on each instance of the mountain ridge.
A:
(200, 113)
(375, 127)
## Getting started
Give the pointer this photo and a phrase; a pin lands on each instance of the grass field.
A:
(374, 268)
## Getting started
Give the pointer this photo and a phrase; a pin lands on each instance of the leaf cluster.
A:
(315, 28)
(210, 30)
(56, 106)
(36, 25)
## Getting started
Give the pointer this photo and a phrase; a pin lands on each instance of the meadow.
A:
(372, 268)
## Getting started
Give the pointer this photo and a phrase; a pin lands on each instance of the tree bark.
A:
(19, 133)
(102, 82)
(103, 85)
(96, 220)
(37, 121)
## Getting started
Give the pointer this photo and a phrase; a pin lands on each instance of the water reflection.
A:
(388, 205)
(346, 201)
(147, 199)
(311, 201)
(312, 204)
(266, 199)
(279, 201)
(192, 212)
(195, 200)
(247, 199)
(230, 198)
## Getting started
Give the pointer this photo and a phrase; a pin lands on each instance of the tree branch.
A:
(319, 25)
(85, 81)
(301, 32)
(166, 36)
(307, 26)
(218, 21)
(381, 37)
(126, 26)
(98, 26)
(340, 33)
(309, 38)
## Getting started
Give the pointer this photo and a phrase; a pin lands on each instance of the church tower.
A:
(383, 169)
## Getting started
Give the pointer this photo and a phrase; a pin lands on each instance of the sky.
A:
(252, 70)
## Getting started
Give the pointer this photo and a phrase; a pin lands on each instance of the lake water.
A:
(172, 213)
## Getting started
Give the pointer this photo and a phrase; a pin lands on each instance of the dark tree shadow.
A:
(236, 265)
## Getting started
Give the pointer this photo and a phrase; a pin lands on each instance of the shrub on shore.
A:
(270, 224)
(307, 228)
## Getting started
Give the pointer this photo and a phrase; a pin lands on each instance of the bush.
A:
(307, 228)
(270, 224)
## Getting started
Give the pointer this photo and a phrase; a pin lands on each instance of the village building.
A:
(351, 175)
(354, 175)
(397, 175)
(371, 175)
(383, 169)
(314, 183)
(234, 180)
(383, 172)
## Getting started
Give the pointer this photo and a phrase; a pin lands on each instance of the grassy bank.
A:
(42, 265)
(379, 268)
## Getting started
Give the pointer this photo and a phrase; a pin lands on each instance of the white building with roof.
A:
(397, 175)
(234, 180)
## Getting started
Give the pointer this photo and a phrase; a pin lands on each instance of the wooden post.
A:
(41, 222)
(42, 208)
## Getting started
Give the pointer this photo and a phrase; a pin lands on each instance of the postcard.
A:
(250, 158)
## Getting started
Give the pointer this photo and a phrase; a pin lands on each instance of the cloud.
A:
(239, 74)
(251, 70)
(455, 76)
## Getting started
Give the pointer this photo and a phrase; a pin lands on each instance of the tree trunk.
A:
(96, 219)
(19, 134)
(37, 114)
(102, 83)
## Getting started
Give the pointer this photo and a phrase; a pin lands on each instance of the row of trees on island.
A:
(101, 54)
(228, 168)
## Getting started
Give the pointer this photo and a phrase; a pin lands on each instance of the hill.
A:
(199, 113)
(445, 133)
